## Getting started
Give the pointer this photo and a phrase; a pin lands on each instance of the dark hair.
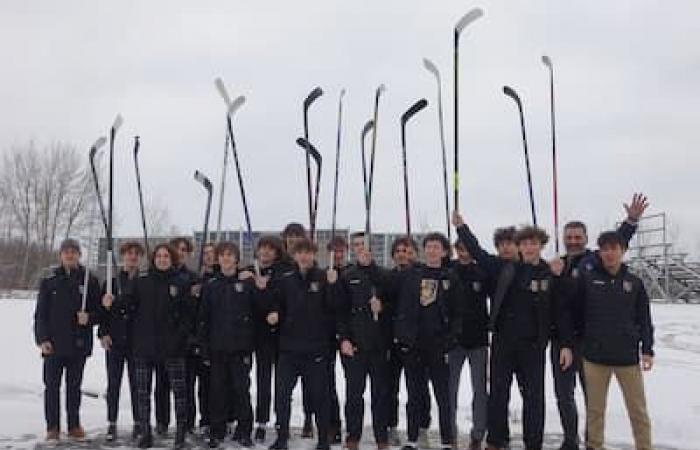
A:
(175, 242)
(503, 234)
(209, 244)
(304, 245)
(228, 246)
(405, 241)
(531, 232)
(357, 234)
(273, 242)
(459, 244)
(611, 238)
(576, 224)
(174, 260)
(437, 237)
(337, 242)
(293, 229)
(131, 245)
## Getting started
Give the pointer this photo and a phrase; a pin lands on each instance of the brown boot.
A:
(53, 435)
(475, 445)
(77, 433)
(382, 445)
(351, 445)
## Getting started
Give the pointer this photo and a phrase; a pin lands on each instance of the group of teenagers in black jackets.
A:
(286, 315)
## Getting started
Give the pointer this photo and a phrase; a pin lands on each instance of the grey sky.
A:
(626, 80)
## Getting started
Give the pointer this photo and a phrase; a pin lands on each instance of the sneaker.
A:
(246, 441)
(492, 447)
(237, 433)
(423, 441)
(77, 433)
(53, 435)
(382, 445)
(323, 445)
(408, 447)
(308, 431)
(569, 446)
(280, 444)
(335, 437)
(260, 433)
(394, 438)
(351, 444)
(111, 433)
(213, 442)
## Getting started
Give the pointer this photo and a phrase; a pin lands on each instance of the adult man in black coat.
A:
(63, 319)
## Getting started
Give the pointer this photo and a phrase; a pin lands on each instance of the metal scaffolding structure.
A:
(667, 274)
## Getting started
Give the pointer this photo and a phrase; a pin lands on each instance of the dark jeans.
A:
(265, 362)
(420, 367)
(197, 373)
(525, 360)
(162, 395)
(374, 365)
(54, 367)
(314, 369)
(334, 418)
(564, 388)
(394, 382)
(115, 359)
(230, 370)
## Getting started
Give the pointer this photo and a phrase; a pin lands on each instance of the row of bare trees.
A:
(45, 196)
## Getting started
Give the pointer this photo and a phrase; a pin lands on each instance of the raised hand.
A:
(457, 219)
(636, 208)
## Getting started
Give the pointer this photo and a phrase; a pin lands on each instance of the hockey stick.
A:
(204, 181)
(313, 153)
(405, 117)
(110, 216)
(137, 146)
(547, 61)
(313, 95)
(365, 178)
(335, 180)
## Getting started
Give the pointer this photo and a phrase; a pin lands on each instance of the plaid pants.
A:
(175, 368)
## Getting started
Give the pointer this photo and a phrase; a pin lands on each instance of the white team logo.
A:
(445, 285)
(173, 291)
(81, 289)
(314, 286)
(428, 291)
(195, 290)
(534, 286)
(574, 272)
(544, 285)
(627, 286)
(476, 286)
(239, 287)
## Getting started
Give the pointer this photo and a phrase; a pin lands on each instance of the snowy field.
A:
(673, 396)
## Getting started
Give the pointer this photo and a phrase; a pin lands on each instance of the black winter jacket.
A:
(476, 285)
(118, 320)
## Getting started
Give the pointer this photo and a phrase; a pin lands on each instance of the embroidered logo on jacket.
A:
(476, 286)
(627, 286)
(445, 285)
(173, 291)
(239, 287)
(428, 291)
(314, 286)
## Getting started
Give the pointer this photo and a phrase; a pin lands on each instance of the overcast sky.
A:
(626, 83)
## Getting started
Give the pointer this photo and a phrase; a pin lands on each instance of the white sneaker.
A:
(423, 441)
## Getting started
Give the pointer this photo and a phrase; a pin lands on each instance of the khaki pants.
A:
(632, 385)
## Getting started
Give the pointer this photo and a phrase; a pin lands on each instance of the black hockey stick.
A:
(311, 151)
(366, 184)
(405, 117)
(547, 61)
(313, 95)
(137, 146)
(204, 181)
(335, 180)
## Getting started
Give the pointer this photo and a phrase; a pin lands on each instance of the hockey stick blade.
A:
(468, 18)
(417, 106)
(96, 146)
(219, 83)
(547, 61)
(367, 128)
(342, 93)
(510, 92)
(237, 103)
(118, 121)
(306, 145)
(200, 177)
(313, 95)
(428, 64)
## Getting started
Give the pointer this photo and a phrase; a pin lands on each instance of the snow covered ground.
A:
(673, 396)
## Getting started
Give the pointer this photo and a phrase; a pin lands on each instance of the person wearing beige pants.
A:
(632, 386)
(612, 308)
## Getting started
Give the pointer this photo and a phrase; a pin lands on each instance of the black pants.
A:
(162, 395)
(314, 369)
(197, 373)
(175, 369)
(54, 366)
(115, 359)
(525, 360)
(334, 418)
(564, 388)
(230, 370)
(374, 365)
(394, 383)
(421, 366)
(265, 362)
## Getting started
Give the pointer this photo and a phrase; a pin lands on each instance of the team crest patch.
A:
(173, 291)
(81, 289)
(428, 292)
(445, 285)
(534, 286)
(476, 286)
(355, 281)
(544, 285)
(239, 287)
(195, 290)
(314, 286)
(246, 360)
(574, 272)
(627, 286)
